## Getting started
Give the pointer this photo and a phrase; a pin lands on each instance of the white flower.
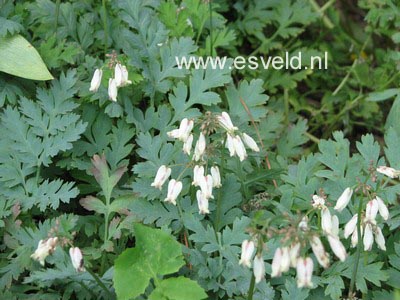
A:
(354, 237)
(383, 210)
(304, 270)
(121, 75)
(112, 89)
(371, 210)
(258, 268)
(368, 239)
(285, 262)
(319, 251)
(276, 263)
(350, 226)
(216, 177)
(344, 199)
(76, 258)
(390, 172)
(185, 128)
(187, 145)
(206, 186)
(240, 150)
(125, 80)
(174, 189)
(174, 133)
(250, 142)
(247, 252)
(335, 226)
(303, 225)
(161, 176)
(200, 147)
(225, 121)
(45, 248)
(380, 239)
(229, 145)
(294, 253)
(337, 247)
(318, 202)
(198, 175)
(326, 220)
(96, 80)
(202, 203)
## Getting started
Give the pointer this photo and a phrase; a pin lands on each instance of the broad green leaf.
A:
(380, 96)
(156, 253)
(180, 288)
(19, 58)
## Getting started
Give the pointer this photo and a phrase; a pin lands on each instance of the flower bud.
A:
(337, 247)
(112, 90)
(390, 172)
(344, 199)
(319, 251)
(380, 239)
(247, 252)
(96, 80)
(187, 145)
(76, 258)
(174, 189)
(382, 208)
(216, 177)
(239, 148)
(250, 142)
(350, 226)
(258, 268)
(368, 239)
(326, 220)
(304, 270)
(161, 176)
(225, 121)
(371, 211)
(202, 203)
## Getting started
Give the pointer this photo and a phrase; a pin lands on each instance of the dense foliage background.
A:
(77, 166)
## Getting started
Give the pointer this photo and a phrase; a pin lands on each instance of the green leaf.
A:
(156, 253)
(9, 27)
(180, 288)
(383, 95)
(19, 58)
(292, 292)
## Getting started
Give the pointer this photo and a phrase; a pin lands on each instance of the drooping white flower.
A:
(44, 249)
(96, 80)
(216, 177)
(202, 203)
(76, 258)
(372, 210)
(318, 202)
(380, 239)
(344, 199)
(206, 186)
(121, 75)
(125, 75)
(200, 147)
(303, 225)
(247, 252)
(276, 263)
(294, 253)
(185, 128)
(382, 208)
(162, 175)
(250, 142)
(390, 172)
(335, 226)
(173, 133)
(319, 251)
(198, 175)
(112, 89)
(225, 121)
(240, 150)
(229, 145)
(350, 226)
(326, 220)
(174, 189)
(368, 239)
(258, 268)
(304, 270)
(354, 237)
(337, 247)
(187, 145)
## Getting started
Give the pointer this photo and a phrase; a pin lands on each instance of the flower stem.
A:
(101, 284)
(251, 287)
(359, 245)
(105, 26)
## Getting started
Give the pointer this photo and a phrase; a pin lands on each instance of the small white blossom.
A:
(121, 75)
(96, 80)
(337, 247)
(382, 208)
(240, 150)
(304, 270)
(174, 189)
(225, 121)
(258, 268)
(344, 199)
(206, 186)
(44, 249)
(354, 237)
(380, 239)
(76, 258)
(303, 225)
(187, 145)
(229, 145)
(250, 142)
(216, 177)
(350, 226)
(319, 251)
(198, 175)
(335, 225)
(112, 89)
(161, 176)
(371, 210)
(318, 202)
(368, 239)
(276, 263)
(202, 203)
(294, 253)
(390, 172)
(247, 252)
(326, 220)
(200, 147)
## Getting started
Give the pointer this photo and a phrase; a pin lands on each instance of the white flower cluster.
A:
(120, 79)
(248, 248)
(206, 183)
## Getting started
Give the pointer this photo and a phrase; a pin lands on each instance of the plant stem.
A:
(219, 197)
(105, 26)
(57, 14)
(211, 28)
(359, 245)
(251, 287)
(101, 284)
